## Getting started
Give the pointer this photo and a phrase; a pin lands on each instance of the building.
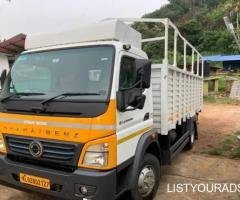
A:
(230, 62)
(210, 85)
(235, 91)
(9, 49)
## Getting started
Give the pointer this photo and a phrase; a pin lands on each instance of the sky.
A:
(38, 16)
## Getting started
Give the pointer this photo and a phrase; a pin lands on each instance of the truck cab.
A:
(77, 117)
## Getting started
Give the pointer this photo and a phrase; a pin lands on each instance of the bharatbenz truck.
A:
(84, 115)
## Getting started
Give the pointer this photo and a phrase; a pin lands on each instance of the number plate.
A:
(35, 181)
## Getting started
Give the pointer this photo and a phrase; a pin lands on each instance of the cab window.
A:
(127, 77)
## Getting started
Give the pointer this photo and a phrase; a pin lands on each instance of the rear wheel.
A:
(146, 179)
(192, 137)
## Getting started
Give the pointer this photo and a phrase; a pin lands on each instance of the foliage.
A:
(214, 99)
(200, 21)
(222, 85)
(230, 147)
(217, 42)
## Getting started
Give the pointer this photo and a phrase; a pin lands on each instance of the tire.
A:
(149, 167)
(192, 137)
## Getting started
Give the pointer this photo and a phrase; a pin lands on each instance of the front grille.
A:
(66, 154)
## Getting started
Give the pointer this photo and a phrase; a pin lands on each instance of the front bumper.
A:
(65, 185)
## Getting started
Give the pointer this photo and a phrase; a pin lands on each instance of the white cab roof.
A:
(102, 31)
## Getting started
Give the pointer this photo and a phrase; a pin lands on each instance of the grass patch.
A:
(209, 99)
(229, 148)
(220, 100)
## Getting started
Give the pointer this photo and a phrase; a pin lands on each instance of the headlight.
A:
(2, 144)
(99, 154)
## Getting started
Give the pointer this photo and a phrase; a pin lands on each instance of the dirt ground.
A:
(199, 169)
(215, 122)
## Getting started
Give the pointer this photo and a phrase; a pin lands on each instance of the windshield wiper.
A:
(22, 94)
(66, 95)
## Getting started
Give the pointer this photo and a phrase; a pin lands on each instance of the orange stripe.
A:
(67, 133)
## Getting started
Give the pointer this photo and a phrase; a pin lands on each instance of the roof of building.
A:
(211, 78)
(222, 58)
(14, 45)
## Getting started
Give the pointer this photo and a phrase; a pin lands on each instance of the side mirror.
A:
(133, 96)
(130, 98)
(144, 72)
(3, 77)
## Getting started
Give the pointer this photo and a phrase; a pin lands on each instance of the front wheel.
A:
(147, 179)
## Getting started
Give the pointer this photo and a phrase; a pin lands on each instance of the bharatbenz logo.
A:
(36, 149)
(44, 132)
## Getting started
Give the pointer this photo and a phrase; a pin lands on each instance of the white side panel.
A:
(156, 92)
(184, 96)
(127, 150)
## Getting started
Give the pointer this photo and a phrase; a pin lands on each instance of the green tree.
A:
(200, 22)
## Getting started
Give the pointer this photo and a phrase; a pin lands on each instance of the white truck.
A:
(83, 115)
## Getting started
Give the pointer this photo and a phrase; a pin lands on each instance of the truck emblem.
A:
(36, 149)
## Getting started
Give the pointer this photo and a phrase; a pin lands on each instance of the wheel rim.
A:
(146, 181)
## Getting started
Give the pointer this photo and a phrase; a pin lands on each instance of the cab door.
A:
(131, 124)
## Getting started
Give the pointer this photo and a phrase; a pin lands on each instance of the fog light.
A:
(83, 190)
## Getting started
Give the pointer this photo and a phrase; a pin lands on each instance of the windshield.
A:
(86, 71)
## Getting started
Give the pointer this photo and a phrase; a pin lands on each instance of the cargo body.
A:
(184, 96)
(87, 116)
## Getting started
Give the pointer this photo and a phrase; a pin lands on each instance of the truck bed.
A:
(184, 97)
